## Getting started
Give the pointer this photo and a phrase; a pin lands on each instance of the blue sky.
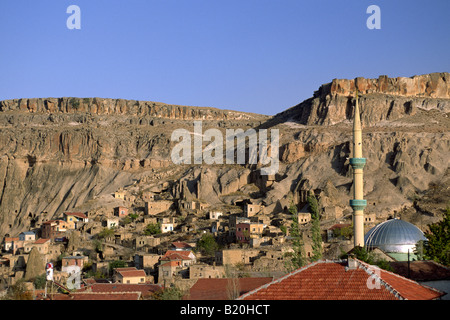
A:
(260, 56)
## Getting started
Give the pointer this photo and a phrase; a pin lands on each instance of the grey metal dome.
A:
(393, 235)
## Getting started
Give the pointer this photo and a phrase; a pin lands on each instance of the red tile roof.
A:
(177, 255)
(132, 273)
(76, 214)
(145, 289)
(41, 241)
(96, 296)
(125, 269)
(332, 280)
(216, 289)
(181, 245)
(171, 264)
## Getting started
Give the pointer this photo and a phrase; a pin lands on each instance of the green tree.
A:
(317, 250)
(39, 281)
(171, 293)
(117, 264)
(207, 244)
(152, 228)
(298, 257)
(362, 254)
(419, 250)
(437, 247)
(105, 233)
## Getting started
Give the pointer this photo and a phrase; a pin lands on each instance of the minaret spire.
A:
(357, 162)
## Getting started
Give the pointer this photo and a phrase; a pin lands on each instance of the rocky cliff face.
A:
(57, 154)
(380, 100)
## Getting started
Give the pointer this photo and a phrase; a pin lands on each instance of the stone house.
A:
(333, 212)
(149, 220)
(235, 256)
(262, 241)
(146, 261)
(251, 209)
(70, 261)
(53, 252)
(155, 207)
(42, 246)
(121, 236)
(194, 205)
(203, 270)
(140, 242)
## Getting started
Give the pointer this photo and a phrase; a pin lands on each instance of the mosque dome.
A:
(395, 235)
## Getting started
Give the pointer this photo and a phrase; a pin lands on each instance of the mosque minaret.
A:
(357, 162)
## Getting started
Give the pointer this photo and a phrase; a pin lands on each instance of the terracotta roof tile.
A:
(332, 280)
(144, 289)
(132, 273)
(181, 245)
(41, 241)
(97, 296)
(76, 214)
(177, 255)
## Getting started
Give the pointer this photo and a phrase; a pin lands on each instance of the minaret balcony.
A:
(357, 163)
(358, 204)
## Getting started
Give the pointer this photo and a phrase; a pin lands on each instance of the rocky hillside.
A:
(58, 154)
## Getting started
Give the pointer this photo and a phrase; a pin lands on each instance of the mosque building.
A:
(397, 238)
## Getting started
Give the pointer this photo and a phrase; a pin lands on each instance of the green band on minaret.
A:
(358, 204)
(357, 163)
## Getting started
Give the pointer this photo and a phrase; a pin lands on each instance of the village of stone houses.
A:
(150, 243)
(144, 245)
